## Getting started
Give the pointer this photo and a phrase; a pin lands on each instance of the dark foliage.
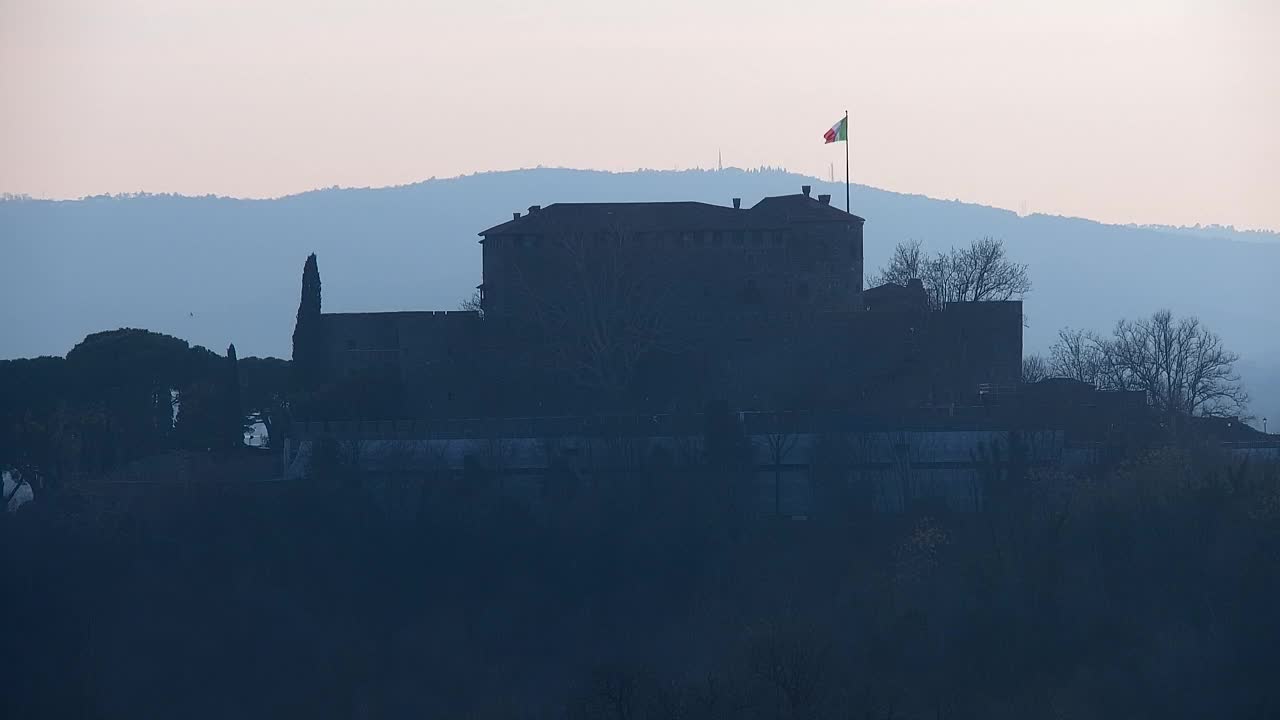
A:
(113, 400)
(233, 427)
(264, 388)
(1146, 591)
(30, 392)
(308, 342)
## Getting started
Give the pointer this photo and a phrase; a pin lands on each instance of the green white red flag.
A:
(839, 131)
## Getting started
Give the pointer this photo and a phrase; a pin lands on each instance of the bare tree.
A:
(1180, 364)
(907, 263)
(1035, 368)
(475, 303)
(1079, 355)
(980, 272)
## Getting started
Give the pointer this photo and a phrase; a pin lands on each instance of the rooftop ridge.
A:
(385, 313)
(774, 209)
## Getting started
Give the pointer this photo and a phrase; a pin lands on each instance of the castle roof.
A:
(782, 209)
(770, 212)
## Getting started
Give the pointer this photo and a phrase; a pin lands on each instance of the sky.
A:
(1147, 111)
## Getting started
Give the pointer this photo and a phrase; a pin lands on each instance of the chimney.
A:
(534, 208)
(805, 189)
(515, 216)
(737, 203)
(824, 199)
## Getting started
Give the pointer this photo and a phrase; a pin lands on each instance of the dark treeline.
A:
(1146, 589)
(121, 395)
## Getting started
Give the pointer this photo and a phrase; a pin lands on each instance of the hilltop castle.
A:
(663, 307)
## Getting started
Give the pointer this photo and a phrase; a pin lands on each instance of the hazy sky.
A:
(1143, 111)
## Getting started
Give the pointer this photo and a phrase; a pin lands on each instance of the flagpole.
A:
(846, 163)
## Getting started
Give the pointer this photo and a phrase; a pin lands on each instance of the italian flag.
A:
(839, 131)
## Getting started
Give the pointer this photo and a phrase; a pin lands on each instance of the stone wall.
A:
(459, 364)
(432, 353)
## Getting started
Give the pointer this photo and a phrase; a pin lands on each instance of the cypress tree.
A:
(307, 346)
(235, 424)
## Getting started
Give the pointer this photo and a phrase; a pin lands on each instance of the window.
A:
(802, 290)
(777, 237)
(351, 344)
(737, 237)
(717, 238)
(757, 238)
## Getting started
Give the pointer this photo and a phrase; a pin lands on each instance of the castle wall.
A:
(760, 308)
(892, 468)
(859, 360)
(431, 354)
(457, 363)
(797, 266)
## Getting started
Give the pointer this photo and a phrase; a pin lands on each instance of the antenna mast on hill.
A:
(719, 160)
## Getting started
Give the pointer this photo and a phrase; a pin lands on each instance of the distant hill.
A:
(1215, 232)
(218, 270)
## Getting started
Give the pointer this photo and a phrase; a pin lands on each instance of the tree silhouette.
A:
(1035, 368)
(1179, 363)
(1079, 355)
(308, 341)
(907, 263)
(234, 424)
(264, 385)
(129, 374)
(977, 273)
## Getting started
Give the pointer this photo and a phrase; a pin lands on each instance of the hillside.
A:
(219, 270)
